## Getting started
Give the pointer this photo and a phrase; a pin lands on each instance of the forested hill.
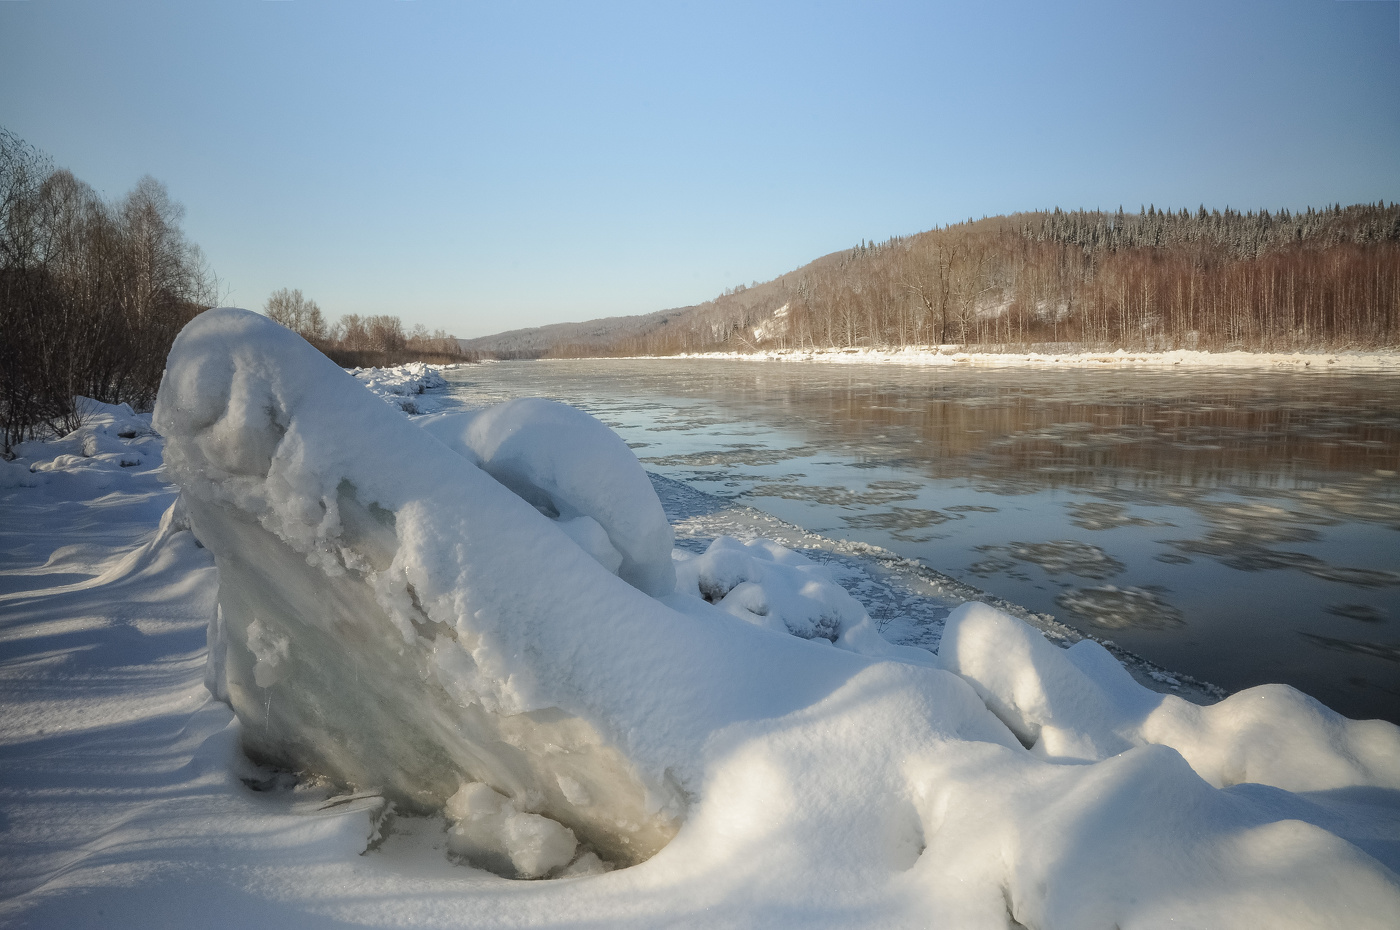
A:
(1157, 279)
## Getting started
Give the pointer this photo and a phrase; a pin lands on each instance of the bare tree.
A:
(300, 315)
(91, 294)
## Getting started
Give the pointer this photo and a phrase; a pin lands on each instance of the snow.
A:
(405, 386)
(579, 473)
(1079, 705)
(488, 828)
(486, 701)
(955, 355)
(770, 586)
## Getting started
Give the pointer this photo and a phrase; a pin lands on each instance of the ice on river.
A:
(420, 617)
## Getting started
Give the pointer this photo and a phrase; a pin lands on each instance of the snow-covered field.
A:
(1120, 358)
(475, 627)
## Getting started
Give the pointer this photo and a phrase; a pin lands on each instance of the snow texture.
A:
(770, 586)
(404, 386)
(386, 619)
(956, 355)
(473, 686)
(577, 472)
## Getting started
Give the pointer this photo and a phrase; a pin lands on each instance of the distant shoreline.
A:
(951, 356)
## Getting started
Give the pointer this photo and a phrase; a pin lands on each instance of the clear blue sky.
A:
(485, 166)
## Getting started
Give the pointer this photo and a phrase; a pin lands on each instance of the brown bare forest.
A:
(1321, 279)
(356, 341)
(93, 293)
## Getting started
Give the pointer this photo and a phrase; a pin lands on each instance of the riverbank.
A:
(127, 801)
(948, 356)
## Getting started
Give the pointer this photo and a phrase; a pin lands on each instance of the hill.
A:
(1320, 279)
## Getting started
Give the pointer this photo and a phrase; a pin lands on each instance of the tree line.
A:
(1320, 279)
(92, 292)
(362, 341)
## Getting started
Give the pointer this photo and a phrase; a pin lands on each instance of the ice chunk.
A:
(769, 586)
(385, 616)
(403, 386)
(573, 469)
(490, 831)
(271, 651)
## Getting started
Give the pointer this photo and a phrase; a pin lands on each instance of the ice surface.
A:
(540, 706)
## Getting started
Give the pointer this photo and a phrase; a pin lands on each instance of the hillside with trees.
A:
(1320, 279)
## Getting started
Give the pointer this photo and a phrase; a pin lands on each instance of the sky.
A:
(481, 167)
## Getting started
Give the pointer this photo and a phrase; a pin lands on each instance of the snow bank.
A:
(93, 454)
(394, 617)
(1079, 705)
(577, 472)
(771, 587)
(952, 355)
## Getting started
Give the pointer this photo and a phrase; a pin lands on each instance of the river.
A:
(1242, 527)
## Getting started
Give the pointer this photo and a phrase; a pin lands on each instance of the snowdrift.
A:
(482, 618)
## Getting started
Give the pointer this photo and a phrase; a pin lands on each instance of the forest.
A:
(93, 293)
(1154, 280)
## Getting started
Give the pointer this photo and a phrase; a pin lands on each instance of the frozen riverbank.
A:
(1387, 361)
(863, 791)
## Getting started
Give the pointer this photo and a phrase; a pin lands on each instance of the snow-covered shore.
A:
(815, 775)
(404, 386)
(950, 356)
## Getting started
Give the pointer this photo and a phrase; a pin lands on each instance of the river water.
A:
(1241, 527)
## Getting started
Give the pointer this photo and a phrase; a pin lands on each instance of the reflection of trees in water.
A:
(1056, 429)
(1299, 452)
(1363, 612)
(1387, 651)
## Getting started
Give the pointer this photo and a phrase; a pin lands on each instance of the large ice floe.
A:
(481, 615)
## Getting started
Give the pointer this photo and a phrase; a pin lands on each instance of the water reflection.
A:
(1239, 526)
